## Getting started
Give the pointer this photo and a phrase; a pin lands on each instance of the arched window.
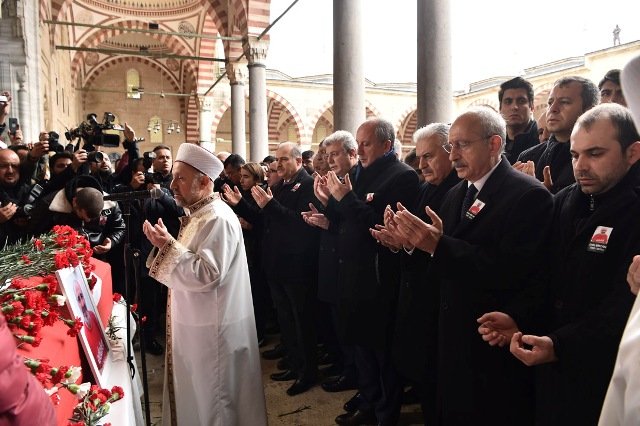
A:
(133, 84)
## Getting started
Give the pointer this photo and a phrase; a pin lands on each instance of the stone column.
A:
(23, 106)
(237, 76)
(435, 102)
(256, 52)
(348, 71)
(205, 121)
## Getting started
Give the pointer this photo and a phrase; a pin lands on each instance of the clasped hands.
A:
(404, 229)
(498, 329)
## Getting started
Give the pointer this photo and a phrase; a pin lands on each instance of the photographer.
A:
(16, 193)
(152, 299)
(7, 136)
(98, 220)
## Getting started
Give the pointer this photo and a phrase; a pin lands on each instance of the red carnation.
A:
(117, 297)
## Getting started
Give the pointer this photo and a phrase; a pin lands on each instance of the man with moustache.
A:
(551, 163)
(368, 273)
(415, 339)
(480, 260)
(588, 301)
(290, 259)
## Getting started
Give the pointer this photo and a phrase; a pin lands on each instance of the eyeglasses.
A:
(461, 145)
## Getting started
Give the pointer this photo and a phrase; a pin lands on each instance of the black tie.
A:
(468, 200)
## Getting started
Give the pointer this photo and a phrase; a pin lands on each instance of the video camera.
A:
(147, 162)
(54, 142)
(92, 132)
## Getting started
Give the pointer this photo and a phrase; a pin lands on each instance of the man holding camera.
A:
(8, 135)
(152, 299)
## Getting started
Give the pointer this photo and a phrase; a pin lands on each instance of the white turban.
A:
(630, 82)
(200, 159)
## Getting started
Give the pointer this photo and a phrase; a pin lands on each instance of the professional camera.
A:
(147, 159)
(24, 211)
(154, 177)
(54, 142)
(92, 132)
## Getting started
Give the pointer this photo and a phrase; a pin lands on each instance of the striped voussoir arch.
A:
(371, 110)
(176, 45)
(401, 123)
(175, 85)
(192, 133)
(274, 116)
(256, 14)
(315, 118)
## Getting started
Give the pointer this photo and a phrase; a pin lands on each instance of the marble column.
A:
(256, 52)
(435, 95)
(236, 75)
(348, 70)
(23, 105)
(205, 121)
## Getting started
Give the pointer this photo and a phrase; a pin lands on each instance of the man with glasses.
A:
(488, 235)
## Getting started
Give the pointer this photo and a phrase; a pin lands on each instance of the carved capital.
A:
(205, 103)
(255, 50)
(236, 72)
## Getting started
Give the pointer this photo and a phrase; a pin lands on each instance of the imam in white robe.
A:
(622, 404)
(212, 370)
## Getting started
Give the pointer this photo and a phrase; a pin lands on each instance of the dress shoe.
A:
(153, 347)
(331, 371)
(283, 363)
(283, 376)
(326, 358)
(300, 386)
(353, 404)
(357, 418)
(275, 353)
(339, 384)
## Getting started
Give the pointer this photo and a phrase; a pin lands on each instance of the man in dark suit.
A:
(415, 338)
(588, 302)
(550, 163)
(488, 235)
(290, 256)
(368, 273)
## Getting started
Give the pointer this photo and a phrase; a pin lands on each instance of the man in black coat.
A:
(368, 273)
(290, 256)
(487, 236)
(516, 107)
(341, 153)
(550, 163)
(415, 337)
(595, 234)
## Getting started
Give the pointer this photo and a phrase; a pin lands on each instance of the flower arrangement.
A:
(95, 405)
(29, 305)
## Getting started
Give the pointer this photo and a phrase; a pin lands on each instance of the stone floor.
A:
(314, 407)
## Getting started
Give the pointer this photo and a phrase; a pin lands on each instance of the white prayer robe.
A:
(622, 404)
(212, 349)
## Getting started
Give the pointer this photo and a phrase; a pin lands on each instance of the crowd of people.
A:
(485, 276)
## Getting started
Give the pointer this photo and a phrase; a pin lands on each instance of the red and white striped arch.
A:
(278, 106)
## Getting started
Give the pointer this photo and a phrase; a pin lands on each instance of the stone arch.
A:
(407, 127)
(371, 110)
(106, 65)
(276, 107)
(541, 94)
(485, 102)
(175, 45)
(226, 104)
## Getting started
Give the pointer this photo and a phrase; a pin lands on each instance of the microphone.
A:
(154, 193)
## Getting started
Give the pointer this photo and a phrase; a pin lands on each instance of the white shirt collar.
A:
(480, 182)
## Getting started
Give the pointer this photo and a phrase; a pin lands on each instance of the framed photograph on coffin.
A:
(92, 337)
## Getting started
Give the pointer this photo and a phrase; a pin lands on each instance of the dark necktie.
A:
(468, 200)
